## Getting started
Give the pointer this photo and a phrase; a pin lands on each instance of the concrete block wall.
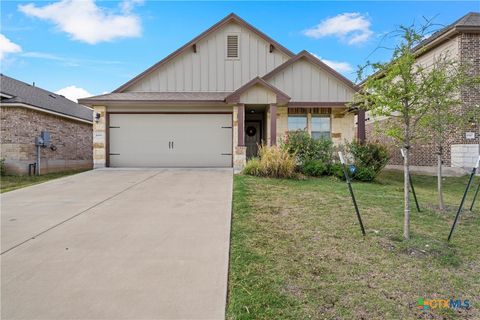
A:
(464, 155)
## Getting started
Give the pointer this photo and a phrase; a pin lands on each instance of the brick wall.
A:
(424, 153)
(470, 53)
(20, 126)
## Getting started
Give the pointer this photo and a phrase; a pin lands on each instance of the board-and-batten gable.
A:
(449, 49)
(303, 81)
(208, 69)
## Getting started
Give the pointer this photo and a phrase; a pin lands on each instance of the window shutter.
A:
(232, 46)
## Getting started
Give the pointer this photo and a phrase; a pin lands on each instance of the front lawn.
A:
(297, 251)
(9, 183)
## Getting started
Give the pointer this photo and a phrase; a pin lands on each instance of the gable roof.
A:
(19, 92)
(468, 23)
(232, 17)
(312, 59)
(282, 98)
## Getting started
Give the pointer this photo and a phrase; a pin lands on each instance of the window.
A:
(297, 122)
(232, 46)
(320, 126)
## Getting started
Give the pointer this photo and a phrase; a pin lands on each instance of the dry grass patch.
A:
(297, 251)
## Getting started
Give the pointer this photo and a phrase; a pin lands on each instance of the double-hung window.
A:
(297, 122)
(320, 126)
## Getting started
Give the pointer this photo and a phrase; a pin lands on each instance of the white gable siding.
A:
(305, 82)
(450, 49)
(209, 69)
(258, 95)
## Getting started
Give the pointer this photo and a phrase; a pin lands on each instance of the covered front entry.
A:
(170, 140)
(255, 133)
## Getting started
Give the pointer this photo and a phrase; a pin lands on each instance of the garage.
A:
(170, 140)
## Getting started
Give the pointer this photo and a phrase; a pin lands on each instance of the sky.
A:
(80, 48)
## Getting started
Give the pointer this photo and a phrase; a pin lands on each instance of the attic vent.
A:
(232, 46)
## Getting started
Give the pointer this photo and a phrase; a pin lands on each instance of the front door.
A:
(253, 137)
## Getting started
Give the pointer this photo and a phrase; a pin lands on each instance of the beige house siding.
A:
(305, 82)
(258, 95)
(209, 70)
(450, 49)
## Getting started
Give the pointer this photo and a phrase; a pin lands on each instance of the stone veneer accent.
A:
(100, 138)
(342, 126)
(239, 152)
(20, 126)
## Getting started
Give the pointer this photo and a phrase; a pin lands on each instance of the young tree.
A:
(397, 90)
(448, 78)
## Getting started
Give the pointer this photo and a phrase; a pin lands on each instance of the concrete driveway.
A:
(118, 244)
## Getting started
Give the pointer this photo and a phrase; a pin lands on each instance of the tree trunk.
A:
(441, 204)
(406, 194)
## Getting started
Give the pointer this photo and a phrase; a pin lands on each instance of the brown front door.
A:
(253, 137)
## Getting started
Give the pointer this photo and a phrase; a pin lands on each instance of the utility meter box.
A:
(45, 135)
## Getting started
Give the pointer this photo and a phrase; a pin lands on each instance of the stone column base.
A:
(239, 159)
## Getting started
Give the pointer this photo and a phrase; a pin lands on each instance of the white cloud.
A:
(352, 28)
(68, 61)
(343, 67)
(73, 93)
(85, 21)
(7, 46)
(338, 65)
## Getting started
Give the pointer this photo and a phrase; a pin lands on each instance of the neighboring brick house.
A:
(26, 111)
(460, 40)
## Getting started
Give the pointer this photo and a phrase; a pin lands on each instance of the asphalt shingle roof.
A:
(159, 96)
(22, 92)
(470, 20)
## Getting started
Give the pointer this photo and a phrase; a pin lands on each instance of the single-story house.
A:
(26, 111)
(459, 40)
(214, 100)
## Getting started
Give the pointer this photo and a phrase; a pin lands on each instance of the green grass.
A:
(9, 183)
(297, 251)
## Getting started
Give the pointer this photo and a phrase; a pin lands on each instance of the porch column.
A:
(273, 124)
(241, 125)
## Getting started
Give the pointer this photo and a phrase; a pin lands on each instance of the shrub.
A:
(3, 170)
(369, 158)
(305, 148)
(336, 170)
(316, 168)
(365, 174)
(273, 162)
(252, 167)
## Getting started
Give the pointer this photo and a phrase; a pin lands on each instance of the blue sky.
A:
(96, 46)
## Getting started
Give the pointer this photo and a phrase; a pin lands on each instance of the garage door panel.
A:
(143, 140)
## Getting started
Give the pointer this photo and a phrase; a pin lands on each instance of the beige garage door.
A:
(170, 140)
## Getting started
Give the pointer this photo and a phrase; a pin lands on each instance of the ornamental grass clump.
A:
(273, 162)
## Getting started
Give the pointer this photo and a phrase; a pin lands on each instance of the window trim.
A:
(237, 34)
